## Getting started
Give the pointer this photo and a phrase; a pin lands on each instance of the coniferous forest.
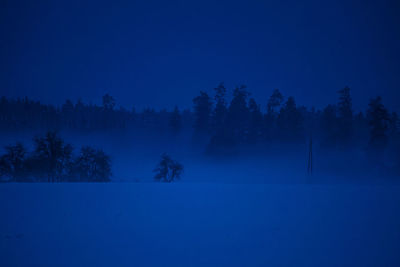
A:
(223, 123)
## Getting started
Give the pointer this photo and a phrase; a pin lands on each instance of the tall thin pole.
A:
(310, 159)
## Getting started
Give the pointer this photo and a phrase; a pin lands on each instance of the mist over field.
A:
(199, 133)
(223, 184)
(135, 155)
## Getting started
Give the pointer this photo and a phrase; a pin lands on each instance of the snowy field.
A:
(190, 224)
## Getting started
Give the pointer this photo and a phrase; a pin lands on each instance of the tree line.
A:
(52, 160)
(224, 124)
(26, 114)
(242, 121)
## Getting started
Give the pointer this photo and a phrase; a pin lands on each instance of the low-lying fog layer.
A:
(134, 156)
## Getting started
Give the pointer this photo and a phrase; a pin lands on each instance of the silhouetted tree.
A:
(175, 120)
(360, 130)
(53, 156)
(68, 106)
(256, 122)
(108, 102)
(52, 159)
(345, 116)
(12, 163)
(202, 113)
(223, 127)
(168, 169)
(221, 140)
(220, 110)
(238, 114)
(290, 121)
(329, 126)
(109, 118)
(92, 165)
(378, 118)
(275, 102)
(67, 110)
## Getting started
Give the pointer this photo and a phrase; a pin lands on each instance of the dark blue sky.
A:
(161, 53)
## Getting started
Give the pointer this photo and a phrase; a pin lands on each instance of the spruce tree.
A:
(220, 110)
(202, 113)
(238, 115)
(329, 126)
(274, 103)
(175, 121)
(290, 121)
(345, 116)
(378, 119)
(256, 122)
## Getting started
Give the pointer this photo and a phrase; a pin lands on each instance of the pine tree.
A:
(175, 121)
(67, 113)
(238, 115)
(220, 110)
(290, 121)
(329, 126)
(345, 116)
(274, 103)
(378, 118)
(202, 113)
(256, 122)
(221, 140)
(108, 102)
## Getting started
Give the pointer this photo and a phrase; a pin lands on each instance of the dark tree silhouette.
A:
(202, 113)
(52, 159)
(220, 110)
(168, 169)
(329, 126)
(108, 102)
(238, 115)
(223, 128)
(67, 110)
(378, 118)
(12, 163)
(256, 122)
(175, 121)
(92, 165)
(290, 121)
(360, 130)
(53, 156)
(345, 116)
(221, 140)
(275, 101)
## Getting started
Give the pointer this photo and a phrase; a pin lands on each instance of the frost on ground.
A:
(150, 224)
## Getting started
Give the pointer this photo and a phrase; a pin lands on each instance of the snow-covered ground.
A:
(191, 224)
